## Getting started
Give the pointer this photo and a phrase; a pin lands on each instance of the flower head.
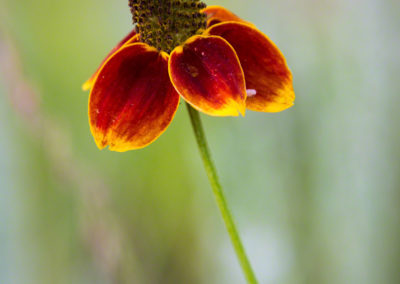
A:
(218, 63)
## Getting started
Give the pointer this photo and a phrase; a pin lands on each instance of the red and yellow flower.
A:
(218, 63)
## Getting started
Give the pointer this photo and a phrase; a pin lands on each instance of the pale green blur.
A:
(315, 190)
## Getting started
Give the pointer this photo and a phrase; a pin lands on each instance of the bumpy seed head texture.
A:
(166, 24)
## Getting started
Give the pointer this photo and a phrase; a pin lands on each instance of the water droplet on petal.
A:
(251, 92)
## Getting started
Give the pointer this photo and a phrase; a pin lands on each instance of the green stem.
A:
(219, 195)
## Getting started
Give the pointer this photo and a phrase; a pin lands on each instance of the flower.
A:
(218, 63)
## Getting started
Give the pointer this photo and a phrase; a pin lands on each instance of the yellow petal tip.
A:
(242, 109)
(87, 85)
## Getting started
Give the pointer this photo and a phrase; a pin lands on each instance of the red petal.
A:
(207, 74)
(268, 78)
(218, 14)
(132, 37)
(132, 101)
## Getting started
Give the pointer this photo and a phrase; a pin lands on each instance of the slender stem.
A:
(219, 195)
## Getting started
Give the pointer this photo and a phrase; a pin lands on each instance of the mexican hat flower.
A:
(218, 63)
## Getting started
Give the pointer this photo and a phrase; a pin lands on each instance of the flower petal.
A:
(132, 101)
(207, 74)
(217, 14)
(268, 78)
(132, 37)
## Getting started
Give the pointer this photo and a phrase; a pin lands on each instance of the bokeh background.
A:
(315, 190)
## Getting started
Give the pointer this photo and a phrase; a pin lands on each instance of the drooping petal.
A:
(207, 74)
(217, 14)
(132, 37)
(132, 101)
(268, 78)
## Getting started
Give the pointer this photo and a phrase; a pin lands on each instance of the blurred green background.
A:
(315, 190)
